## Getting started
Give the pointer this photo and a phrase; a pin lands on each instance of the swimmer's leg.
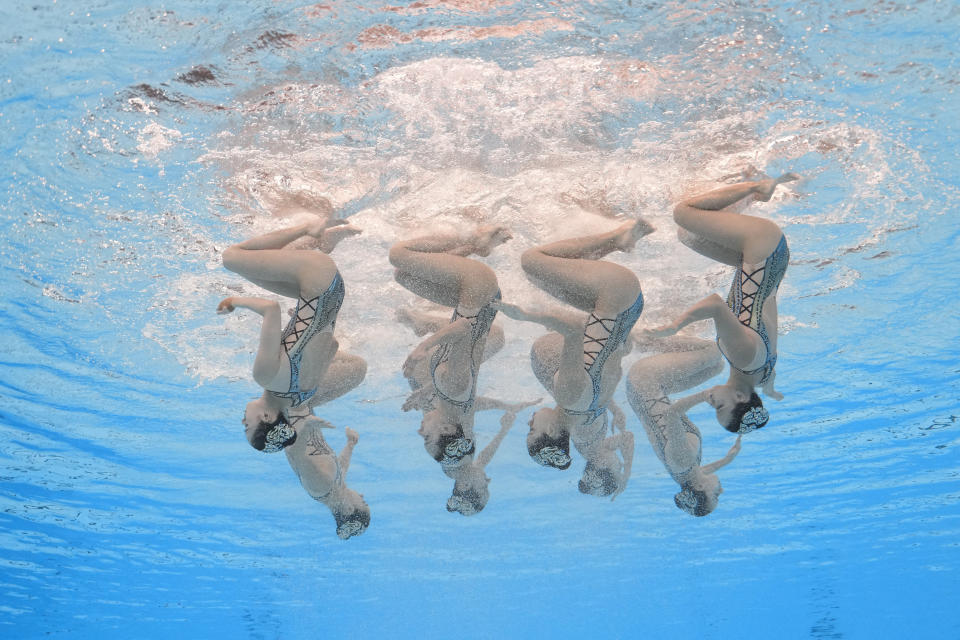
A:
(290, 273)
(344, 374)
(570, 270)
(705, 217)
(433, 268)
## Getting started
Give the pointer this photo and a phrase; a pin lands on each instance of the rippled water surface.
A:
(139, 141)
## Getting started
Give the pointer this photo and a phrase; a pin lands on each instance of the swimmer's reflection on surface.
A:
(746, 322)
(683, 363)
(299, 366)
(579, 362)
(443, 369)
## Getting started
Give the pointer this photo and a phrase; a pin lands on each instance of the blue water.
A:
(139, 141)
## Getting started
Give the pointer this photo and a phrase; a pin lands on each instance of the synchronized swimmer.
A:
(300, 367)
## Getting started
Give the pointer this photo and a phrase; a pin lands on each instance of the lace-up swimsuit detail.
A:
(319, 447)
(310, 318)
(596, 351)
(657, 410)
(479, 329)
(752, 285)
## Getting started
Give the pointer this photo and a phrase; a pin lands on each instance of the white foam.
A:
(469, 142)
(155, 138)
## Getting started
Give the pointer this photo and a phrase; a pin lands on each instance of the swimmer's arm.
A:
(619, 421)
(560, 322)
(267, 362)
(506, 422)
(419, 399)
(483, 403)
(347, 452)
(622, 442)
(712, 307)
(725, 460)
(768, 389)
(448, 334)
(644, 341)
(684, 404)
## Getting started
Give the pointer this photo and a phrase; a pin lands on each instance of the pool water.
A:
(138, 141)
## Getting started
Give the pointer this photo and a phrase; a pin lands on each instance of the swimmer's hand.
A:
(319, 422)
(509, 310)
(725, 460)
(768, 389)
(619, 421)
(352, 436)
(517, 407)
(415, 357)
(419, 399)
(663, 331)
(226, 306)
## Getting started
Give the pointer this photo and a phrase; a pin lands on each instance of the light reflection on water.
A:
(126, 485)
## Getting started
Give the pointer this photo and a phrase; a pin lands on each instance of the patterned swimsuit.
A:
(619, 328)
(659, 430)
(310, 318)
(748, 305)
(479, 329)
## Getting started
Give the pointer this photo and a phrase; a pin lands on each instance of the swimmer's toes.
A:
(643, 228)
(489, 236)
(630, 232)
(788, 177)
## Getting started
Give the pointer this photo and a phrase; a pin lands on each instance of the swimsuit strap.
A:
(747, 300)
(616, 336)
(748, 306)
(321, 448)
(310, 318)
(479, 330)
(660, 427)
(589, 341)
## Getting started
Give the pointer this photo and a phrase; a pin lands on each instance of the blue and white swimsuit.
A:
(479, 329)
(619, 328)
(748, 306)
(310, 318)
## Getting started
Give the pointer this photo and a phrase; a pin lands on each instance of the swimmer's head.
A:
(597, 481)
(267, 430)
(747, 416)
(699, 497)
(737, 411)
(468, 501)
(352, 516)
(548, 443)
(445, 441)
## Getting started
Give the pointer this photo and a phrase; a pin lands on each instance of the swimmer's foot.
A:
(320, 224)
(764, 189)
(628, 233)
(421, 323)
(335, 233)
(487, 238)
(304, 202)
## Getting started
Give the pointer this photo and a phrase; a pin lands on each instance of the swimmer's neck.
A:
(740, 381)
